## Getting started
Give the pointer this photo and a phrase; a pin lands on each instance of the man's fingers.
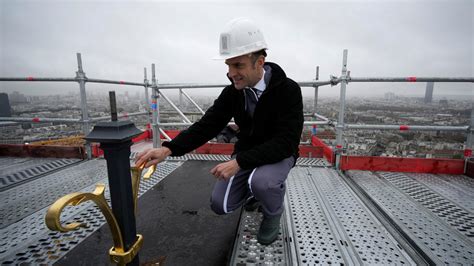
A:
(214, 170)
(152, 162)
(142, 157)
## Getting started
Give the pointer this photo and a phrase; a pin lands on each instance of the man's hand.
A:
(226, 170)
(152, 156)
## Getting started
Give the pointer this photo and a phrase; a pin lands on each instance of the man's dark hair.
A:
(255, 55)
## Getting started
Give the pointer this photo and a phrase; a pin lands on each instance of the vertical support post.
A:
(470, 135)
(316, 88)
(180, 103)
(155, 109)
(147, 97)
(81, 79)
(340, 122)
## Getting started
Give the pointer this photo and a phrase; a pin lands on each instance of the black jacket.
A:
(273, 133)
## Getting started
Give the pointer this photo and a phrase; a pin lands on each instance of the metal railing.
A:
(154, 106)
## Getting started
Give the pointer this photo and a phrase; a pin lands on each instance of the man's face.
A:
(243, 72)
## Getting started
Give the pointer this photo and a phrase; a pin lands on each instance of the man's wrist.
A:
(167, 150)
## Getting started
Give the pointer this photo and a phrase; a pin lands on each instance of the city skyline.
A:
(384, 39)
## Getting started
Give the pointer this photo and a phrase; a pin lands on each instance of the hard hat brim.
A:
(225, 57)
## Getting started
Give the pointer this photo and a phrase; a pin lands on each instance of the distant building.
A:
(443, 102)
(429, 92)
(389, 96)
(17, 97)
(5, 109)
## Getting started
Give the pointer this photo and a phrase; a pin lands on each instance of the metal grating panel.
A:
(313, 239)
(332, 225)
(461, 182)
(461, 195)
(371, 242)
(438, 240)
(13, 176)
(25, 199)
(13, 164)
(247, 251)
(29, 241)
(454, 215)
(302, 161)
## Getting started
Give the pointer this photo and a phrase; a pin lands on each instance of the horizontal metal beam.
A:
(190, 86)
(306, 123)
(40, 119)
(119, 82)
(411, 79)
(333, 81)
(38, 79)
(406, 127)
(316, 83)
(95, 119)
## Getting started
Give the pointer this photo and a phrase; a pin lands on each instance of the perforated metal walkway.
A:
(330, 218)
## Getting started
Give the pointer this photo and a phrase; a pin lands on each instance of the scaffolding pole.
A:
(411, 79)
(185, 119)
(147, 97)
(406, 127)
(155, 109)
(181, 124)
(96, 119)
(192, 101)
(470, 134)
(342, 106)
(41, 120)
(164, 134)
(316, 88)
(81, 79)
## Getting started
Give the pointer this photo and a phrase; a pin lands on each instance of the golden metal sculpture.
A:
(136, 177)
(117, 253)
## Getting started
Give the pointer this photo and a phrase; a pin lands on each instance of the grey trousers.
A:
(266, 183)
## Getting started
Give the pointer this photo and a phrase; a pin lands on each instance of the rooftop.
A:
(331, 217)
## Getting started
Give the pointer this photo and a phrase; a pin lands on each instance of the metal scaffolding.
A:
(153, 109)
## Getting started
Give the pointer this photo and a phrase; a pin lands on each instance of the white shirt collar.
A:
(261, 86)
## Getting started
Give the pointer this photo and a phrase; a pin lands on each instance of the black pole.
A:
(121, 195)
(115, 139)
(113, 106)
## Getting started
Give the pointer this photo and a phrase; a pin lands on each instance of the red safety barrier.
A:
(404, 127)
(467, 153)
(216, 148)
(311, 151)
(42, 151)
(144, 136)
(398, 164)
(96, 150)
(327, 151)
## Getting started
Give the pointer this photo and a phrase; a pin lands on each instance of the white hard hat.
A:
(240, 36)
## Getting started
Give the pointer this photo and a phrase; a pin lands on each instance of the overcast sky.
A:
(118, 38)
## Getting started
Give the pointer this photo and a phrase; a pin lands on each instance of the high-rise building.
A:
(5, 109)
(429, 92)
(389, 96)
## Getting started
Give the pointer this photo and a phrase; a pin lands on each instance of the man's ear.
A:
(261, 60)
